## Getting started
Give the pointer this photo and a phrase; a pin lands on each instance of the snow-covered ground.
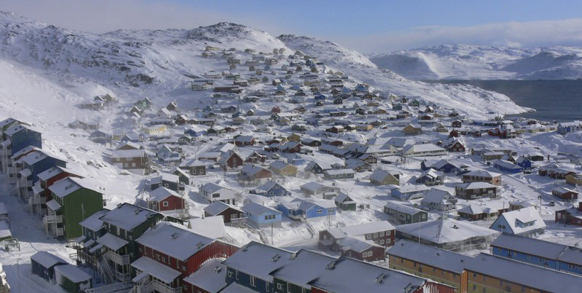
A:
(46, 71)
(483, 63)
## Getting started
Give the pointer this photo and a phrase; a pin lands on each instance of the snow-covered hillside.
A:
(471, 99)
(483, 62)
(162, 63)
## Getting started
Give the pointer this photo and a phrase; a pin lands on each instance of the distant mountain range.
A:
(483, 62)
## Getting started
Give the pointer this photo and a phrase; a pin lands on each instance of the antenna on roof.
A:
(175, 235)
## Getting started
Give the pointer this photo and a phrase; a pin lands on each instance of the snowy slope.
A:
(483, 62)
(467, 99)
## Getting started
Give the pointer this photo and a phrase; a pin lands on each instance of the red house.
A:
(231, 160)
(46, 179)
(163, 199)
(276, 110)
(565, 193)
(570, 216)
(456, 146)
(230, 215)
(170, 252)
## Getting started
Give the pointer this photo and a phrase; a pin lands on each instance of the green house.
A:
(73, 201)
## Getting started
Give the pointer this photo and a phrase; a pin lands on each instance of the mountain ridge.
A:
(483, 62)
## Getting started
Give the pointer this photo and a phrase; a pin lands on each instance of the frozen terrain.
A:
(483, 62)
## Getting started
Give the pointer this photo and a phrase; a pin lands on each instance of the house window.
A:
(279, 286)
(215, 195)
(165, 204)
(319, 211)
(253, 281)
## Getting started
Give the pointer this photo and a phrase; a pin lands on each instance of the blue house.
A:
(507, 166)
(320, 98)
(524, 162)
(445, 166)
(261, 216)
(37, 162)
(271, 188)
(303, 209)
(360, 88)
(251, 267)
(295, 159)
(538, 252)
(195, 131)
(21, 136)
(566, 127)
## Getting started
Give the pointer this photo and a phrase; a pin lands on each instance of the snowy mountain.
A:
(483, 62)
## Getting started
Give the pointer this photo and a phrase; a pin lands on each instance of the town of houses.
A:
(335, 186)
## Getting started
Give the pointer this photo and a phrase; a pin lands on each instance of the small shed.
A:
(44, 263)
(73, 279)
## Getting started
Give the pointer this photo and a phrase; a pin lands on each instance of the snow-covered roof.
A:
(278, 165)
(476, 185)
(128, 216)
(516, 218)
(482, 173)
(118, 154)
(211, 276)
(53, 205)
(435, 195)
(402, 208)
(174, 240)
(217, 207)
(530, 246)
(237, 288)
(94, 222)
(69, 185)
(47, 260)
(156, 269)
(429, 255)
(73, 273)
(524, 274)
(258, 209)
(111, 241)
(162, 193)
(211, 227)
(361, 229)
(211, 187)
(259, 260)
(356, 244)
(303, 268)
(379, 175)
(348, 275)
(445, 231)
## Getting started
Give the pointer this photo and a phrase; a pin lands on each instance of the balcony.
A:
(123, 277)
(118, 259)
(163, 288)
(36, 200)
(53, 219)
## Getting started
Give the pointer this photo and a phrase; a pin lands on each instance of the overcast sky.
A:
(367, 26)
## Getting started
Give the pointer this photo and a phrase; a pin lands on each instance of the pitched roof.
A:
(174, 240)
(430, 255)
(524, 274)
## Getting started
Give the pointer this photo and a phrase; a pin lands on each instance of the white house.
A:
(524, 222)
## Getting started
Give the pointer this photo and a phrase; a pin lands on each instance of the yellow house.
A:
(283, 169)
(155, 129)
(294, 137)
(412, 129)
(574, 179)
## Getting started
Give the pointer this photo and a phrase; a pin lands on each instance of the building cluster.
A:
(286, 135)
